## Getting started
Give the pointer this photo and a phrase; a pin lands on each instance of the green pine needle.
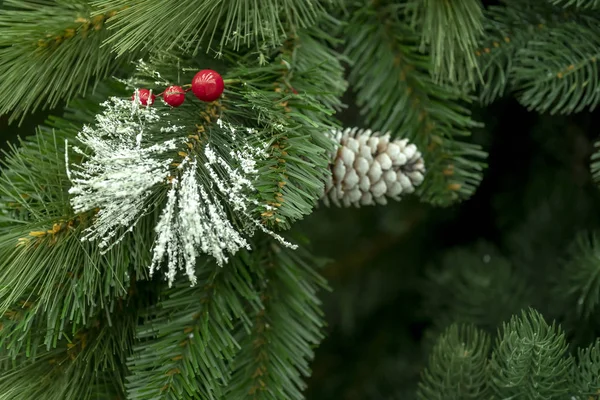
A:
(451, 31)
(275, 356)
(566, 82)
(457, 367)
(190, 25)
(586, 374)
(583, 4)
(530, 359)
(188, 339)
(580, 283)
(51, 281)
(50, 52)
(85, 365)
(511, 29)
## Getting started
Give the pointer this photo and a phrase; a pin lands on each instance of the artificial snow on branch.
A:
(368, 167)
(131, 155)
(120, 168)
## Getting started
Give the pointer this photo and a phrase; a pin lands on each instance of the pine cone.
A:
(368, 167)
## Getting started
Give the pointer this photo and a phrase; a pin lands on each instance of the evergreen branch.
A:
(583, 4)
(457, 367)
(566, 81)
(51, 51)
(53, 282)
(580, 276)
(508, 29)
(530, 359)
(595, 163)
(188, 338)
(475, 286)
(451, 31)
(150, 25)
(586, 374)
(274, 357)
(86, 365)
(397, 94)
(50, 279)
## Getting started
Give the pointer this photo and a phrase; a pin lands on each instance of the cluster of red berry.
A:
(207, 85)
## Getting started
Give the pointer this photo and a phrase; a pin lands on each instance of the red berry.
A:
(208, 85)
(174, 96)
(144, 94)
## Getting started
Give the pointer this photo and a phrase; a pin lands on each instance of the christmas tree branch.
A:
(275, 355)
(561, 84)
(515, 33)
(50, 52)
(458, 365)
(87, 364)
(50, 279)
(451, 31)
(397, 94)
(149, 25)
(530, 359)
(583, 4)
(188, 339)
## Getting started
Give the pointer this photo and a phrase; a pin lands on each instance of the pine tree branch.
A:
(89, 364)
(190, 25)
(451, 31)
(51, 51)
(188, 339)
(595, 163)
(519, 32)
(50, 279)
(458, 366)
(579, 283)
(397, 94)
(566, 81)
(274, 357)
(583, 4)
(586, 374)
(530, 359)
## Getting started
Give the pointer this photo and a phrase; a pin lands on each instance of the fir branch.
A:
(497, 51)
(566, 81)
(476, 286)
(274, 357)
(586, 373)
(457, 367)
(579, 283)
(150, 25)
(583, 4)
(451, 31)
(188, 338)
(50, 280)
(530, 359)
(522, 32)
(51, 51)
(595, 162)
(86, 365)
(397, 94)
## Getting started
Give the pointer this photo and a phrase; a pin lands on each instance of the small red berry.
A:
(174, 96)
(208, 85)
(144, 94)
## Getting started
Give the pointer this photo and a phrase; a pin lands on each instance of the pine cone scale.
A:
(368, 168)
